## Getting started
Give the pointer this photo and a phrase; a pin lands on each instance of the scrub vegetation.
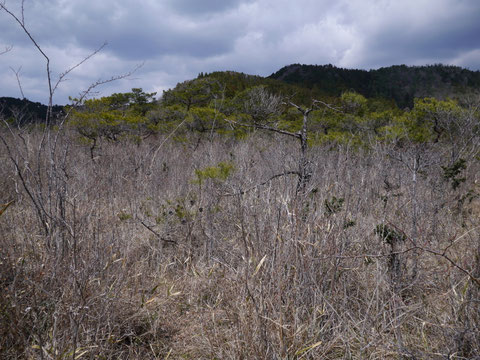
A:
(237, 217)
(144, 229)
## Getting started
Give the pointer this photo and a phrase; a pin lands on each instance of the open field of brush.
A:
(198, 250)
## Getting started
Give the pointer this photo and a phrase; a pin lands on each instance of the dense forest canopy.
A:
(400, 82)
(25, 111)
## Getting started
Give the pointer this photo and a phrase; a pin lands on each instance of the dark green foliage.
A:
(113, 117)
(349, 223)
(388, 234)
(235, 83)
(22, 111)
(401, 83)
(193, 93)
(139, 101)
(334, 205)
(452, 173)
(164, 119)
(217, 173)
(123, 216)
(326, 79)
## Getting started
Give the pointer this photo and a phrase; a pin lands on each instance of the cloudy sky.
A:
(174, 40)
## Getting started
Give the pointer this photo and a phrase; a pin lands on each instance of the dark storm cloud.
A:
(427, 32)
(144, 30)
(205, 7)
(129, 44)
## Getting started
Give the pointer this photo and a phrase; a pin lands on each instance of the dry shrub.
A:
(149, 263)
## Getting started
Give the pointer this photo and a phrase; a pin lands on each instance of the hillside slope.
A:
(24, 111)
(400, 82)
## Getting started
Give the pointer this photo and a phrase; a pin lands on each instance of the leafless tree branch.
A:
(21, 22)
(62, 76)
(6, 50)
(316, 103)
(84, 94)
(452, 262)
(17, 75)
(241, 192)
(443, 253)
(156, 233)
(304, 112)
(263, 127)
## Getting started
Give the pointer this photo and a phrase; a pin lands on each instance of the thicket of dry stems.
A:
(145, 262)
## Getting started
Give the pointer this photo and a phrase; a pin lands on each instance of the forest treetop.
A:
(361, 106)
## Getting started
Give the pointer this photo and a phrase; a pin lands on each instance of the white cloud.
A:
(469, 59)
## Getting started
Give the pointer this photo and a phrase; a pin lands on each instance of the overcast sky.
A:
(177, 39)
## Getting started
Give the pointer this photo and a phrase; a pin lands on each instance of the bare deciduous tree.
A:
(47, 183)
(264, 109)
(32, 179)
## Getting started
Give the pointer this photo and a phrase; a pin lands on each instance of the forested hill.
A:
(25, 111)
(400, 82)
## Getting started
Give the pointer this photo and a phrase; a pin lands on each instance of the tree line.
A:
(236, 104)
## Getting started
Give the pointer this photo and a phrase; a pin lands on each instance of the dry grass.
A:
(148, 263)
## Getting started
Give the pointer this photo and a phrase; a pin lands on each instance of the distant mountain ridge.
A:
(25, 111)
(399, 82)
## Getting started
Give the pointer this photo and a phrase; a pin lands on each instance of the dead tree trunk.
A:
(304, 165)
(263, 109)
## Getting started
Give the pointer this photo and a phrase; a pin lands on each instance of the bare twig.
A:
(17, 75)
(164, 141)
(241, 192)
(299, 108)
(443, 253)
(156, 233)
(39, 207)
(6, 50)
(319, 102)
(5, 206)
(62, 76)
(84, 94)
(21, 22)
(453, 263)
(264, 127)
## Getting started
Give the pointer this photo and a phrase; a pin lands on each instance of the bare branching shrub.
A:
(221, 274)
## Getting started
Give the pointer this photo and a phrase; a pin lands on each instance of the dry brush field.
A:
(186, 251)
